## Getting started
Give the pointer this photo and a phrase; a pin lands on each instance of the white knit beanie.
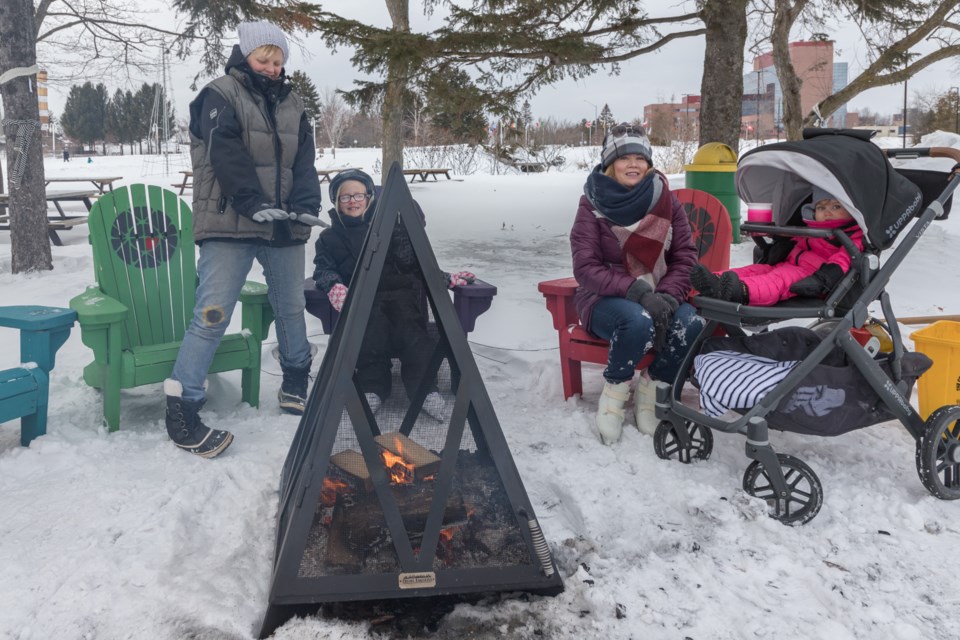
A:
(257, 34)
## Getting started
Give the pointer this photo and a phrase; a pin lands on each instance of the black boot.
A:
(704, 281)
(293, 391)
(733, 289)
(187, 430)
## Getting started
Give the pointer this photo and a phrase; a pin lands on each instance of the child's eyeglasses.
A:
(347, 197)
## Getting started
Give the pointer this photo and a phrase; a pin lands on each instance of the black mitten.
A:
(658, 305)
(820, 283)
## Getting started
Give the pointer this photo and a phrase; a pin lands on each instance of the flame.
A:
(401, 471)
(328, 493)
(446, 535)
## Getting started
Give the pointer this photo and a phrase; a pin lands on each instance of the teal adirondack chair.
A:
(24, 390)
(135, 317)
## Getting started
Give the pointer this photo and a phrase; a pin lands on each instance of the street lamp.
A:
(904, 113)
(594, 120)
(956, 106)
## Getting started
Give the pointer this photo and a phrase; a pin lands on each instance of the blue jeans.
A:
(629, 329)
(222, 271)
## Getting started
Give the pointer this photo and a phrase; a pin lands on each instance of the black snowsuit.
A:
(398, 318)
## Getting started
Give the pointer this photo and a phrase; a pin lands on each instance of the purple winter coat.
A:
(598, 260)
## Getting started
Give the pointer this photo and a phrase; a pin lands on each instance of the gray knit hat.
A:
(624, 139)
(809, 210)
(257, 34)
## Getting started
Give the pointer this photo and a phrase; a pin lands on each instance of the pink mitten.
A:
(461, 277)
(337, 295)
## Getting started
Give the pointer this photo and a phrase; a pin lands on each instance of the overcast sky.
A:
(665, 75)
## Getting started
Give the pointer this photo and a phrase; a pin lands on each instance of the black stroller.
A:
(876, 387)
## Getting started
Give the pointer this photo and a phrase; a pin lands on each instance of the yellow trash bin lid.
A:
(713, 156)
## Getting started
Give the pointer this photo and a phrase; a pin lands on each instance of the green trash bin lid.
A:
(713, 156)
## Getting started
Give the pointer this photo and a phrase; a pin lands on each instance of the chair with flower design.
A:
(134, 318)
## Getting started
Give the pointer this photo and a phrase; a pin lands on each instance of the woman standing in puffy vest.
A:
(256, 196)
(632, 255)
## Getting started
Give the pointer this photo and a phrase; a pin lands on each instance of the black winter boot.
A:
(185, 427)
(705, 281)
(293, 391)
(733, 289)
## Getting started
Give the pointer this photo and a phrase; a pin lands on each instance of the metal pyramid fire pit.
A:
(406, 500)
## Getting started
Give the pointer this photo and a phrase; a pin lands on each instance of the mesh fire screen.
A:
(399, 482)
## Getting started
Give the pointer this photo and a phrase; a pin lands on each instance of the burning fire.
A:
(328, 493)
(401, 471)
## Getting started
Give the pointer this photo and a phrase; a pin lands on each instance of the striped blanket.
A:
(734, 380)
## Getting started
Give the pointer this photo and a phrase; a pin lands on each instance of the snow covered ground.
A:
(123, 536)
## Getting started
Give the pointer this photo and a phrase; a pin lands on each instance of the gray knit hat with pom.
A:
(624, 139)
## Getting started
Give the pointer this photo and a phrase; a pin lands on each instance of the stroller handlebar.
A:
(924, 152)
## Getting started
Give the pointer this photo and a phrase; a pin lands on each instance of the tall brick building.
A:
(820, 76)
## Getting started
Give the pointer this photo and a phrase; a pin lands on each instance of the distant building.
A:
(668, 121)
(820, 76)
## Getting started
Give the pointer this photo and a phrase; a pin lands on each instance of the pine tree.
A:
(304, 86)
(606, 118)
(84, 114)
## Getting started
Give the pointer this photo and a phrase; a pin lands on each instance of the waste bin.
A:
(940, 385)
(713, 170)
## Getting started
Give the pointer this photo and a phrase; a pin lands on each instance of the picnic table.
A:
(423, 174)
(531, 167)
(100, 182)
(186, 182)
(327, 174)
(62, 222)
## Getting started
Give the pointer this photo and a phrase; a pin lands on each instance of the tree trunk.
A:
(721, 87)
(784, 16)
(393, 108)
(29, 243)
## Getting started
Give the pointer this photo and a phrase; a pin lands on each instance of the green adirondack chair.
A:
(136, 315)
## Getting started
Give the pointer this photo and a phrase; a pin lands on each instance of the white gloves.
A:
(269, 215)
(337, 296)
(308, 219)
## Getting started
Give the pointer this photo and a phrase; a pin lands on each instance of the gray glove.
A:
(308, 219)
(269, 215)
(661, 307)
(637, 289)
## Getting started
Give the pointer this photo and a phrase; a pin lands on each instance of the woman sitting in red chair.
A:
(632, 256)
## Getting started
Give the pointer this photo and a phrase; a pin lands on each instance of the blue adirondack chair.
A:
(24, 390)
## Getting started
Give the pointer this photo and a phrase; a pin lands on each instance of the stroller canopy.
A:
(842, 162)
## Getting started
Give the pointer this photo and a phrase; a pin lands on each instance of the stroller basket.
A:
(834, 398)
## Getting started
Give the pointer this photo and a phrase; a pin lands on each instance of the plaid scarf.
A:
(642, 219)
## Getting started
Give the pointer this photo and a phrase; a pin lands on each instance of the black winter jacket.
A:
(338, 250)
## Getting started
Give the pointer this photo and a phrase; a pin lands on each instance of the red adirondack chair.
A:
(712, 234)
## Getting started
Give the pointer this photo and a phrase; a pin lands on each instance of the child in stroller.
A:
(812, 268)
(833, 385)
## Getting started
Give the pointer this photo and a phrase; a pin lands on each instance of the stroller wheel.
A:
(804, 492)
(938, 453)
(667, 442)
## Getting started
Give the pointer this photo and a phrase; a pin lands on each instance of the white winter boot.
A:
(610, 411)
(643, 405)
